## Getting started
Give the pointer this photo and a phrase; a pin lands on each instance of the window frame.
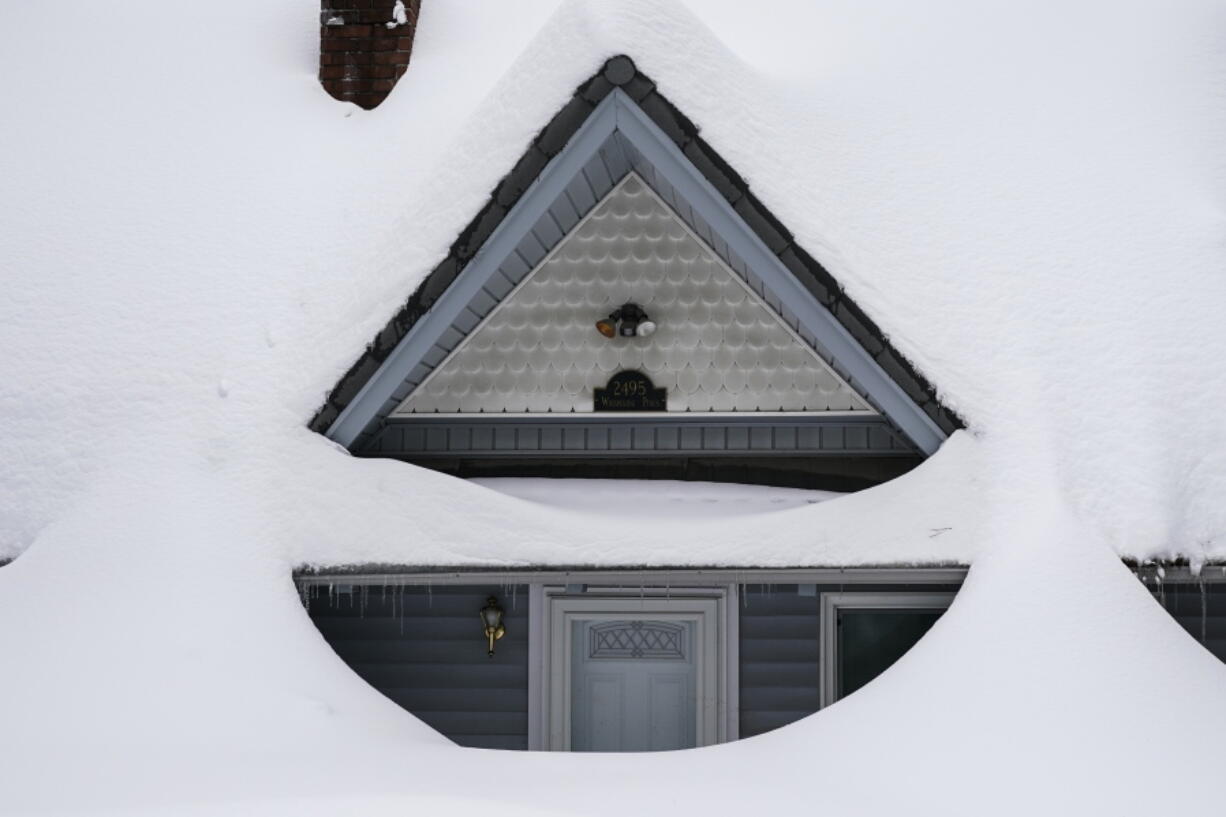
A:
(828, 637)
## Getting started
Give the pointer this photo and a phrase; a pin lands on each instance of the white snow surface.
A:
(400, 15)
(195, 248)
(196, 242)
(661, 500)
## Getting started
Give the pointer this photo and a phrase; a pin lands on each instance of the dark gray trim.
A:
(683, 575)
(631, 577)
(727, 184)
(447, 309)
(834, 602)
(603, 435)
(730, 224)
(1158, 573)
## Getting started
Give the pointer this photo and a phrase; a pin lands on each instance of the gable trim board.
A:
(617, 126)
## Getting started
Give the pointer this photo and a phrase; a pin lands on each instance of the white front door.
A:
(634, 674)
(633, 685)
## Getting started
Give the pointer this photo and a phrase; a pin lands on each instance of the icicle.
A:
(1159, 575)
(400, 618)
(1204, 612)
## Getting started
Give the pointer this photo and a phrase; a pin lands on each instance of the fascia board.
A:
(527, 211)
(636, 126)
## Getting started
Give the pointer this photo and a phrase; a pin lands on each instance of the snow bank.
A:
(1031, 208)
(158, 661)
(193, 248)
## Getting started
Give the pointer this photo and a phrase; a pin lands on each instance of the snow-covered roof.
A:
(197, 242)
(1039, 238)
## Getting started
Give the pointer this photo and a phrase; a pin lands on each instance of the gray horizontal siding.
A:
(778, 657)
(1198, 608)
(423, 648)
(573, 435)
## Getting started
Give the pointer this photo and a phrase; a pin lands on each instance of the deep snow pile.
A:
(194, 247)
(155, 664)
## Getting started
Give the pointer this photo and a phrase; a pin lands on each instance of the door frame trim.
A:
(714, 606)
(828, 635)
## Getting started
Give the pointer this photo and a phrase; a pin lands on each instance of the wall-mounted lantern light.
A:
(491, 620)
(629, 320)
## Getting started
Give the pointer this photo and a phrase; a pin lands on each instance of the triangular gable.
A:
(719, 346)
(617, 123)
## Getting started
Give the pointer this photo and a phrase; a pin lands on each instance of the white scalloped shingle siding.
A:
(718, 348)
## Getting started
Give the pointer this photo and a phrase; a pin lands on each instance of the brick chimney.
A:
(364, 47)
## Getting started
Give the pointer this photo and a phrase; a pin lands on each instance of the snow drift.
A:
(193, 248)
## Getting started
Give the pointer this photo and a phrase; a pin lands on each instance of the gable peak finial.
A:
(619, 70)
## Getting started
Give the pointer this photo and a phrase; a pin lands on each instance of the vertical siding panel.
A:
(531, 249)
(785, 438)
(528, 438)
(547, 231)
(644, 438)
(467, 320)
(598, 176)
(551, 438)
(483, 437)
(509, 274)
(435, 356)
(620, 437)
(691, 439)
(615, 158)
(856, 438)
(581, 194)
(760, 438)
(504, 438)
(809, 438)
(597, 439)
(450, 338)
(564, 213)
(738, 438)
(573, 439)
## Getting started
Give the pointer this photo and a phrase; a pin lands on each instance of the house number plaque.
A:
(630, 390)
